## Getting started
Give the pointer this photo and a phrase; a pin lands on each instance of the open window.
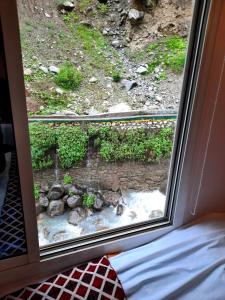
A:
(119, 176)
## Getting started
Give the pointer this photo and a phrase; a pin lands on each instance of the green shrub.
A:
(68, 77)
(89, 200)
(134, 144)
(72, 145)
(37, 191)
(42, 140)
(116, 76)
(67, 179)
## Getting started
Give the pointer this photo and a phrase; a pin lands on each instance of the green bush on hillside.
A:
(68, 77)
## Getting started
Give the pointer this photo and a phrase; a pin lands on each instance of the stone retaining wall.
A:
(111, 176)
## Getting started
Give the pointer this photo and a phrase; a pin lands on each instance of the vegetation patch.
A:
(133, 144)
(103, 8)
(68, 77)
(116, 75)
(71, 143)
(37, 191)
(67, 179)
(42, 140)
(170, 52)
(89, 200)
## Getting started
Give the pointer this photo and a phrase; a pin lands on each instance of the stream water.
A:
(138, 207)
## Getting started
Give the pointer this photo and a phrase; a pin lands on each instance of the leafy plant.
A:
(42, 140)
(89, 200)
(70, 19)
(133, 144)
(116, 76)
(72, 145)
(68, 77)
(37, 191)
(67, 179)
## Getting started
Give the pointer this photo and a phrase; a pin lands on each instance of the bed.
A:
(187, 264)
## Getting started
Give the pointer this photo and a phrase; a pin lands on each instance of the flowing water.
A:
(138, 207)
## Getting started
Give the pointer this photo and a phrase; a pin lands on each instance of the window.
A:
(102, 113)
(124, 237)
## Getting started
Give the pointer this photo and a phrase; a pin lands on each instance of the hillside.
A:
(88, 56)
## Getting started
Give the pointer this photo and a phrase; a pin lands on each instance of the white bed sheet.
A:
(187, 264)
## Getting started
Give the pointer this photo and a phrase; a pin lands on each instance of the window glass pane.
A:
(103, 82)
(12, 233)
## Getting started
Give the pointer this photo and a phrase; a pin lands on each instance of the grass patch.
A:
(170, 52)
(68, 77)
(96, 47)
(103, 8)
(83, 5)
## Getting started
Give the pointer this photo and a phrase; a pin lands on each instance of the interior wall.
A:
(204, 189)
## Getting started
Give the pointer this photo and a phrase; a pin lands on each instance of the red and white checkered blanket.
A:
(95, 280)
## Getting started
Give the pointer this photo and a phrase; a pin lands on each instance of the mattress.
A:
(187, 264)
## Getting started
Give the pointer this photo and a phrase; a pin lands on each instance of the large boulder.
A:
(76, 215)
(99, 203)
(71, 189)
(119, 210)
(111, 198)
(56, 191)
(55, 208)
(74, 201)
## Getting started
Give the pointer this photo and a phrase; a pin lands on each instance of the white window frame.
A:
(29, 268)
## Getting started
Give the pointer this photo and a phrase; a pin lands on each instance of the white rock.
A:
(68, 4)
(59, 91)
(93, 80)
(135, 15)
(142, 70)
(158, 98)
(27, 72)
(44, 69)
(47, 15)
(116, 43)
(121, 107)
(54, 69)
(128, 84)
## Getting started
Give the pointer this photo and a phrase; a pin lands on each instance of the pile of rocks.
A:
(58, 197)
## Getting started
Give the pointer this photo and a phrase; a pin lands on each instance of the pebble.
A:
(44, 69)
(93, 80)
(142, 70)
(54, 69)
(28, 72)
